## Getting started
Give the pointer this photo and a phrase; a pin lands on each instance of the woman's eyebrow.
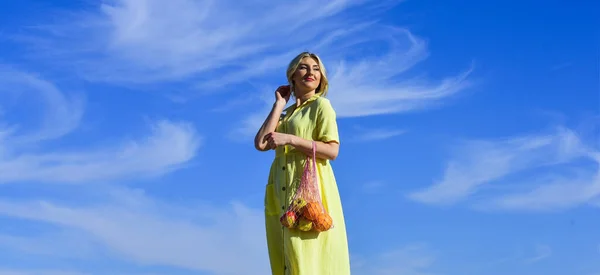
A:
(306, 65)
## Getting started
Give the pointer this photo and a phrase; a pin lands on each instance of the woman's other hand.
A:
(275, 139)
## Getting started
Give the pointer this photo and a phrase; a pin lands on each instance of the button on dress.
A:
(291, 251)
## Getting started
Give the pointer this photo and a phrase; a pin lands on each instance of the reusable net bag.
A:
(306, 212)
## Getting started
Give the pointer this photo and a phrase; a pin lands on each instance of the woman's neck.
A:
(302, 97)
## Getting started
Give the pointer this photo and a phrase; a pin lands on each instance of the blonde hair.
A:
(293, 66)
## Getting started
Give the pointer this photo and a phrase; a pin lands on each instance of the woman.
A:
(311, 118)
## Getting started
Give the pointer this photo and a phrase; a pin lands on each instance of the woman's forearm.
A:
(268, 126)
(325, 150)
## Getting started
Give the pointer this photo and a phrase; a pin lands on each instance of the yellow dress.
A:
(293, 252)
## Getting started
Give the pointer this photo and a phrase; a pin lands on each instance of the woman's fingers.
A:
(272, 144)
(267, 137)
(269, 140)
(273, 140)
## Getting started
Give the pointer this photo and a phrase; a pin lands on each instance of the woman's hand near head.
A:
(282, 95)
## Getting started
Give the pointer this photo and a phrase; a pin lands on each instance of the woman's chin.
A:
(306, 88)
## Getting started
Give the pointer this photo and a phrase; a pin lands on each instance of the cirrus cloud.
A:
(139, 230)
(24, 158)
(146, 41)
(564, 172)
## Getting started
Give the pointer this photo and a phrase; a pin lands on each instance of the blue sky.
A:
(470, 138)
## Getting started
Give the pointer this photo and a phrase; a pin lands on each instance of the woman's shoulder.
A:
(323, 102)
(324, 106)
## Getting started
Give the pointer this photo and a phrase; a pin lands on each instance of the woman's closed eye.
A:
(305, 68)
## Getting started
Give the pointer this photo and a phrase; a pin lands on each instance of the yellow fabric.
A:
(293, 252)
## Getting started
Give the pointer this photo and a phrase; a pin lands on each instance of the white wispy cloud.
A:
(34, 271)
(211, 44)
(61, 112)
(139, 229)
(168, 146)
(373, 186)
(553, 192)
(73, 244)
(374, 134)
(142, 230)
(372, 83)
(22, 157)
(39, 272)
(251, 122)
(541, 252)
(408, 260)
(563, 173)
(142, 41)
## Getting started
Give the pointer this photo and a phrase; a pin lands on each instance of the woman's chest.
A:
(300, 122)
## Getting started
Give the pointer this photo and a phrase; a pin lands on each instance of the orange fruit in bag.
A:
(323, 222)
(312, 210)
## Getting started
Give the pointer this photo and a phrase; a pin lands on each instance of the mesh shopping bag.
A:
(306, 212)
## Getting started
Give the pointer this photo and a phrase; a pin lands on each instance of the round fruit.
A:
(288, 219)
(312, 210)
(304, 224)
(323, 222)
(299, 202)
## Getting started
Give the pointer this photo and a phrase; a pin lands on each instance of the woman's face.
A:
(308, 75)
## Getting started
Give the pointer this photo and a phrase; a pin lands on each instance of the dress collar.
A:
(310, 99)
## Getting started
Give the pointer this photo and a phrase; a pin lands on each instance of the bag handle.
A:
(314, 155)
(314, 163)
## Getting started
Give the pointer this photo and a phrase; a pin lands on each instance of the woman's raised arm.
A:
(282, 95)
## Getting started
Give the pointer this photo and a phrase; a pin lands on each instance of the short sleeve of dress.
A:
(326, 129)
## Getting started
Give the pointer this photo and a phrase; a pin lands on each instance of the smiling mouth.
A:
(309, 79)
